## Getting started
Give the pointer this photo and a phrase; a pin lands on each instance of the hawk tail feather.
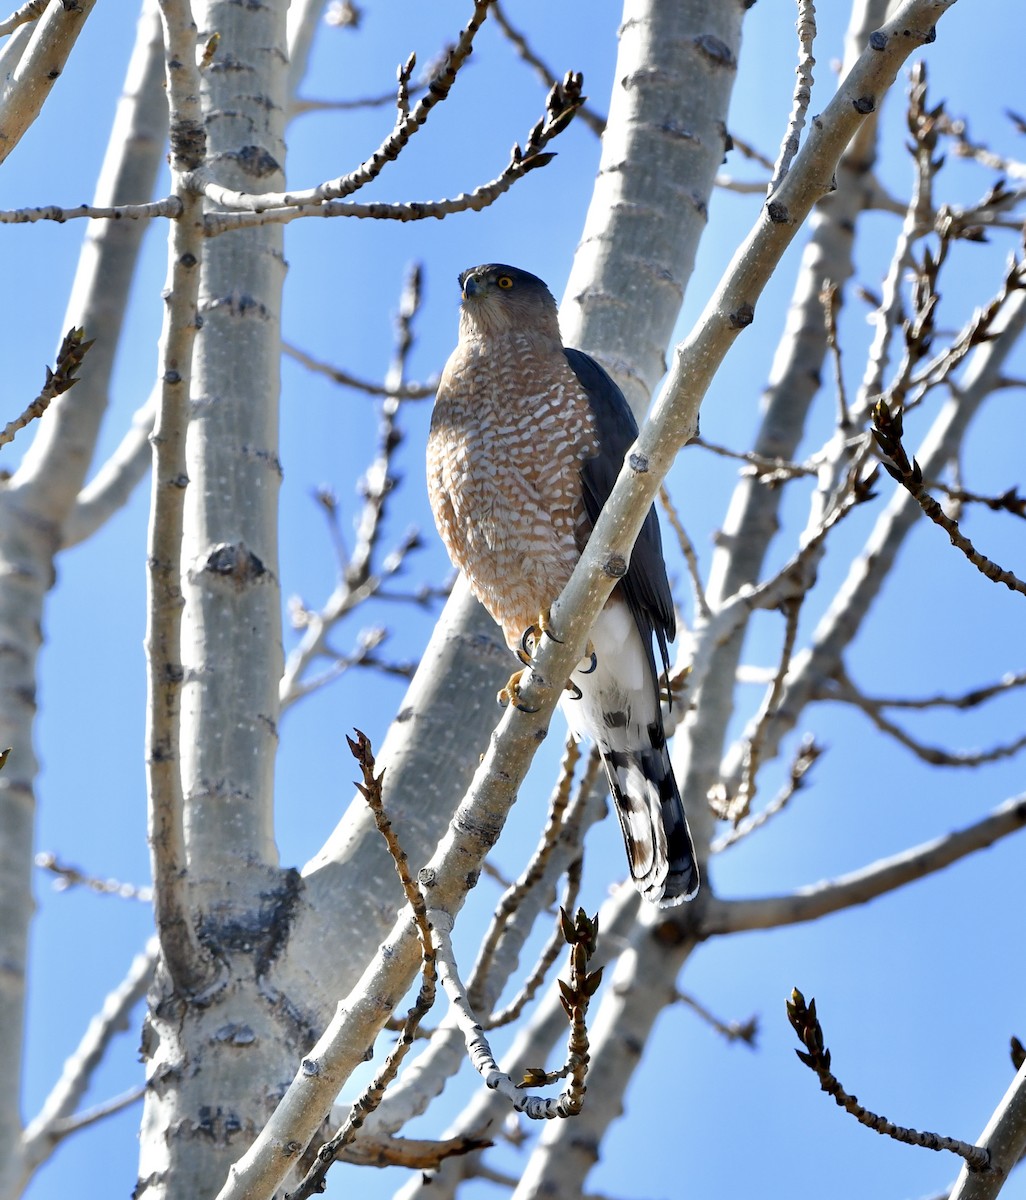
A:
(660, 850)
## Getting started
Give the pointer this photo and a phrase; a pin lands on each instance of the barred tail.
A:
(660, 851)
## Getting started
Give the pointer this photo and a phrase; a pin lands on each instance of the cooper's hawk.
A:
(527, 439)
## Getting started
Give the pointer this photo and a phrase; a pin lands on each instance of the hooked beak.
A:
(473, 285)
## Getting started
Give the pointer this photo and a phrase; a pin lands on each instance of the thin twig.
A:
(68, 877)
(736, 808)
(817, 1058)
(830, 298)
(73, 350)
(360, 575)
(581, 933)
(968, 699)
(563, 101)
(687, 548)
(733, 1031)
(513, 896)
(934, 755)
(771, 470)
(571, 830)
(361, 1109)
(595, 122)
(887, 430)
(806, 755)
(806, 26)
(407, 391)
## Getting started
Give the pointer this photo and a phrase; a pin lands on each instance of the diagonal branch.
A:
(24, 91)
(830, 896)
(1004, 1140)
(55, 1119)
(69, 358)
(816, 1057)
(562, 103)
(407, 124)
(887, 429)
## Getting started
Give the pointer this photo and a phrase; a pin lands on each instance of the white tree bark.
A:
(235, 899)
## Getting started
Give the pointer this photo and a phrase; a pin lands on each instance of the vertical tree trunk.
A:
(227, 1071)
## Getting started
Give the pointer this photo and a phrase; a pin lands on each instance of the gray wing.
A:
(645, 586)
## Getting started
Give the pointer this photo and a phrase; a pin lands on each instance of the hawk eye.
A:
(504, 282)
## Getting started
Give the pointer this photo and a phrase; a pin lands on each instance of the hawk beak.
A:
(472, 286)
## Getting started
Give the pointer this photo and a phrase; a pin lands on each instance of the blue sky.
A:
(920, 991)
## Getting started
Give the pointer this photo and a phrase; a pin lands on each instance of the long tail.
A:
(660, 851)
(619, 708)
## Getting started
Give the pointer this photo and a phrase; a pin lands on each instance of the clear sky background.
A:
(919, 991)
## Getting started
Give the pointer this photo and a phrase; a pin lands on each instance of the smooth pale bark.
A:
(663, 144)
(231, 1050)
(39, 63)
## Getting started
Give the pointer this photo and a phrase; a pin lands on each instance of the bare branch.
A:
(818, 900)
(72, 351)
(968, 699)
(769, 470)
(581, 934)
(365, 1105)
(563, 102)
(186, 959)
(736, 807)
(57, 1118)
(806, 26)
(1004, 1140)
(887, 429)
(733, 1031)
(688, 550)
(359, 577)
(417, 1154)
(407, 391)
(407, 124)
(529, 878)
(113, 484)
(595, 122)
(31, 10)
(817, 1058)
(24, 91)
(937, 757)
(808, 752)
(67, 876)
(169, 206)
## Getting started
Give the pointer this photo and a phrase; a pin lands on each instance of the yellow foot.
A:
(510, 694)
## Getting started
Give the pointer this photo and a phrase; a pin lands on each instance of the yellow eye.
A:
(504, 282)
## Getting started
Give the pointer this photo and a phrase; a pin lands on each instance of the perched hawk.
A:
(527, 439)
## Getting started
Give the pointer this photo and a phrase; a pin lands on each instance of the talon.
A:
(592, 664)
(545, 625)
(527, 641)
(573, 689)
(510, 694)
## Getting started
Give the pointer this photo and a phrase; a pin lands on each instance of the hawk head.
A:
(501, 299)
